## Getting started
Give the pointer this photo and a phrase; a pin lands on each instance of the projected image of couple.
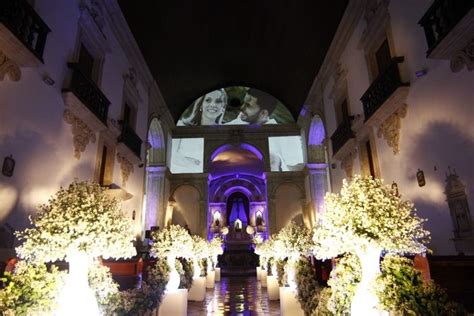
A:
(210, 109)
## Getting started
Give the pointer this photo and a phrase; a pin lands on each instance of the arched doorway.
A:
(237, 191)
(237, 208)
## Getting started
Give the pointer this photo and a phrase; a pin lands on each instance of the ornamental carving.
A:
(464, 57)
(9, 67)
(126, 167)
(347, 164)
(390, 129)
(82, 135)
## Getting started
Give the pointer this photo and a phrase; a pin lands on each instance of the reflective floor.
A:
(235, 296)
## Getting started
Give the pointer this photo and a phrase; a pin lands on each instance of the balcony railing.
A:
(441, 18)
(88, 93)
(382, 88)
(131, 140)
(22, 20)
(341, 136)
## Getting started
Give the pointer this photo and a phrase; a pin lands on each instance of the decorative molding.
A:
(126, 167)
(339, 89)
(347, 164)
(377, 17)
(92, 22)
(131, 86)
(9, 67)
(464, 57)
(390, 129)
(82, 135)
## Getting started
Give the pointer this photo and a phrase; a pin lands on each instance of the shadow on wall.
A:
(178, 218)
(42, 166)
(441, 145)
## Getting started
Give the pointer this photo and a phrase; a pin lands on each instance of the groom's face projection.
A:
(250, 109)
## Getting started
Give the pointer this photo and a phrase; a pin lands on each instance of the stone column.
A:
(271, 210)
(155, 207)
(203, 217)
(318, 185)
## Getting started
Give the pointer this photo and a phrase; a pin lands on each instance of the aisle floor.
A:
(235, 296)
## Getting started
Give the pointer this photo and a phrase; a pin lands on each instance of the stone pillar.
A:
(203, 218)
(155, 208)
(271, 210)
(318, 185)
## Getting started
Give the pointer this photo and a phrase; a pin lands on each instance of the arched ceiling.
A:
(193, 47)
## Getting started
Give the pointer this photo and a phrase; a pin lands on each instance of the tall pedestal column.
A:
(155, 212)
(318, 183)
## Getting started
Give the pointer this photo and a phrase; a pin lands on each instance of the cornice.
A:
(353, 14)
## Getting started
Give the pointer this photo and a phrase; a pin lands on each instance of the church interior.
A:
(236, 157)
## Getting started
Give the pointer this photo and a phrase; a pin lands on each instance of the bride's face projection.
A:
(213, 104)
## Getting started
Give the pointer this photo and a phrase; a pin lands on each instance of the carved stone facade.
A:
(82, 135)
(465, 57)
(460, 214)
(347, 164)
(126, 167)
(390, 129)
(9, 67)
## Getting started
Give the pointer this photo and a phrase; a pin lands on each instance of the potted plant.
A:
(78, 224)
(365, 218)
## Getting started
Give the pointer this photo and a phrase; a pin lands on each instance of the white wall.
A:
(32, 128)
(437, 131)
(187, 210)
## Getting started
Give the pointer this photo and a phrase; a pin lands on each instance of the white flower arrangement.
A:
(200, 247)
(215, 246)
(368, 212)
(294, 241)
(173, 241)
(80, 218)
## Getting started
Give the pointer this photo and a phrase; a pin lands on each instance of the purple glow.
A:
(242, 146)
(317, 134)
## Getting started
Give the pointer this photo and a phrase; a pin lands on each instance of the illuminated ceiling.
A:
(193, 47)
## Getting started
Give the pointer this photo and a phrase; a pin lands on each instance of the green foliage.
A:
(31, 289)
(401, 288)
(105, 288)
(203, 265)
(308, 286)
(186, 272)
(282, 277)
(343, 282)
(143, 300)
(322, 308)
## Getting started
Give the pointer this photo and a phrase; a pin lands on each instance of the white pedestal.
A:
(210, 279)
(174, 303)
(273, 288)
(259, 271)
(218, 274)
(289, 305)
(263, 278)
(197, 292)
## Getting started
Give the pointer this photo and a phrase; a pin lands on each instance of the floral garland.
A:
(173, 241)
(82, 218)
(368, 212)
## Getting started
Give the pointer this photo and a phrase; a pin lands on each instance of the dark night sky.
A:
(193, 47)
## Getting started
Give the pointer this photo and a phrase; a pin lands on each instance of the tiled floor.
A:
(235, 296)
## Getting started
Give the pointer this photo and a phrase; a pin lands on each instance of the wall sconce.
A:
(8, 166)
(420, 177)
(395, 188)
